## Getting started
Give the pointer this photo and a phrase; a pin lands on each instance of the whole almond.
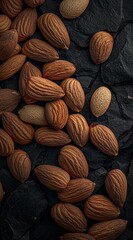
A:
(100, 208)
(73, 9)
(116, 186)
(39, 50)
(11, 66)
(6, 144)
(11, 7)
(19, 165)
(101, 45)
(69, 217)
(16, 50)
(54, 30)
(34, 3)
(22, 133)
(5, 23)
(51, 137)
(77, 190)
(104, 139)
(76, 236)
(73, 161)
(33, 114)
(58, 70)
(25, 23)
(110, 230)
(42, 89)
(1, 192)
(52, 177)
(74, 94)
(100, 101)
(56, 114)
(78, 129)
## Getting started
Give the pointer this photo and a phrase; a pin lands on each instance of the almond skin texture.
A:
(51, 137)
(42, 89)
(28, 70)
(22, 133)
(116, 186)
(34, 3)
(56, 113)
(5, 23)
(76, 236)
(101, 45)
(25, 23)
(73, 161)
(78, 129)
(58, 70)
(69, 217)
(16, 50)
(74, 94)
(15, 63)
(77, 190)
(6, 144)
(39, 50)
(52, 177)
(73, 9)
(100, 208)
(104, 139)
(33, 114)
(1, 192)
(19, 165)
(11, 7)
(54, 30)
(100, 101)
(110, 230)
(9, 100)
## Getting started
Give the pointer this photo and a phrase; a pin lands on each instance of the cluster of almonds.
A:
(70, 181)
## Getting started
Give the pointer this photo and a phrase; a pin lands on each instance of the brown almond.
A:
(72, 160)
(52, 177)
(74, 94)
(100, 208)
(25, 23)
(78, 129)
(22, 133)
(76, 236)
(104, 139)
(16, 50)
(69, 217)
(15, 63)
(34, 3)
(101, 45)
(110, 230)
(51, 137)
(116, 186)
(6, 144)
(19, 165)
(56, 113)
(39, 50)
(11, 7)
(1, 192)
(54, 30)
(5, 23)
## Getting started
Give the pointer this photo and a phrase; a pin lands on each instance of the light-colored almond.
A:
(5, 23)
(76, 236)
(11, 7)
(6, 144)
(34, 3)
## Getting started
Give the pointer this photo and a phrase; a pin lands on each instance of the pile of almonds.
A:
(56, 125)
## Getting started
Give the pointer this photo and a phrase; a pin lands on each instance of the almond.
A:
(34, 3)
(19, 165)
(100, 208)
(77, 190)
(69, 217)
(78, 129)
(101, 45)
(54, 30)
(56, 114)
(104, 139)
(51, 137)
(6, 144)
(22, 133)
(52, 177)
(74, 94)
(58, 70)
(16, 50)
(11, 66)
(110, 230)
(116, 186)
(33, 114)
(39, 50)
(5, 23)
(9, 100)
(73, 161)
(25, 23)
(100, 101)
(42, 89)
(11, 7)
(76, 236)
(1, 192)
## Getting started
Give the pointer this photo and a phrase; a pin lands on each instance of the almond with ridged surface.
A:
(5, 23)
(76, 236)
(6, 144)
(11, 7)
(34, 3)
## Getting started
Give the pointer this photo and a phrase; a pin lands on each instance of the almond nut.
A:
(76, 236)
(5, 23)
(11, 7)
(6, 144)
(34, 3)
(16, 50)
